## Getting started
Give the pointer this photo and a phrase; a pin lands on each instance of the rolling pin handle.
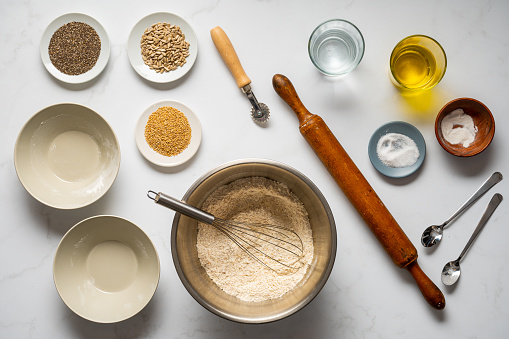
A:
(284, 88)
(429, 290)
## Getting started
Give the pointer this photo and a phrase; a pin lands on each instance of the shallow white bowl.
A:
(103, 56)
(67, 156)
(134, 49)
(159, 159)
(106, 269)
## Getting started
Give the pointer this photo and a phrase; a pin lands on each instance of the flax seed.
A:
(74, 48)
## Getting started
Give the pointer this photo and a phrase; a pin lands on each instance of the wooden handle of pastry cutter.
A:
(229, 56)
(357, 189)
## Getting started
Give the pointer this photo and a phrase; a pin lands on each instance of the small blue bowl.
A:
(401, 128)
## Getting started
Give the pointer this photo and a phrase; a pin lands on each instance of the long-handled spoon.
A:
(451, 271)
(433, 234)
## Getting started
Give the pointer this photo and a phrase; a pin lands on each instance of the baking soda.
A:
(458, 128)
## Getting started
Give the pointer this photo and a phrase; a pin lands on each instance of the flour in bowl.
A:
(252, 200)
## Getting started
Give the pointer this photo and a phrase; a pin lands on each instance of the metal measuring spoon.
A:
(433, 234)
(451, 271)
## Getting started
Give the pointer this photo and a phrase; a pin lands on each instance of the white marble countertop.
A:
(366, 296)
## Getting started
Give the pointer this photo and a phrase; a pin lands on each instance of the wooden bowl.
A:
(483, 120)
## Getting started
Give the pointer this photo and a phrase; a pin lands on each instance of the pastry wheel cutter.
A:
(259, 111)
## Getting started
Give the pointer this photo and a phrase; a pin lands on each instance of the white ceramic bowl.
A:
(134, 49)
(106, 269)
(159, 159)
(103, 56)
(67, 156)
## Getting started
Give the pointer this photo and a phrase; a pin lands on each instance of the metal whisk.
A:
(275, 247)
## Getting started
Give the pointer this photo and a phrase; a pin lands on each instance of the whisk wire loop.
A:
(249, 229)
(253, 242)
(275, 247)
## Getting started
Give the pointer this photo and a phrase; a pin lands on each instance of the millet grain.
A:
(168, 131)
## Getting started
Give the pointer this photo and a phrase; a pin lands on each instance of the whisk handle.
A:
(182, 207)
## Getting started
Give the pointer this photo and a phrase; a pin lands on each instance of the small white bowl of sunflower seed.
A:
(162, 47)
(168, 133)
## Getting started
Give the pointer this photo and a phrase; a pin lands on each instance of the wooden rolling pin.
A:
(360, 193)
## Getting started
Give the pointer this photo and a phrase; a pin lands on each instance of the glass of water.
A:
(336, 47)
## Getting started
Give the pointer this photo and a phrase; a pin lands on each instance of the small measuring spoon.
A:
(451, 271)
(433, 234)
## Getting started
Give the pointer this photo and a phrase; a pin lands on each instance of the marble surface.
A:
(366, 295)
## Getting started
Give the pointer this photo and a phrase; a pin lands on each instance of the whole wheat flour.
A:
(258, 200)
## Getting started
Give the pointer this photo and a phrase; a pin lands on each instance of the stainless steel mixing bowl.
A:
(206, 292)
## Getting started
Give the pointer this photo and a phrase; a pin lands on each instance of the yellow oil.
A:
(414, 67)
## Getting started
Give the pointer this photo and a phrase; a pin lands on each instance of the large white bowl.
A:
(67, 156)
(106, 269)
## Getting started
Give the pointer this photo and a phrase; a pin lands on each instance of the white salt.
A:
(397, 150)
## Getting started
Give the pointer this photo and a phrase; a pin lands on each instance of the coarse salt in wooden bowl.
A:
(482, 118)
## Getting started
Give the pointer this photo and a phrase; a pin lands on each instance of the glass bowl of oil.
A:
(418, 62)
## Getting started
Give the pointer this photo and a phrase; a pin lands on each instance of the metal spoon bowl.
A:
(452, 271)
(433, 234)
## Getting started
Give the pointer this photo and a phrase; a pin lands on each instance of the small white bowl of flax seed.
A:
(168, 133)
(75, 48)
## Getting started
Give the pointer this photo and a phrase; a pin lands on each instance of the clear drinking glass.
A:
(336, 47)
